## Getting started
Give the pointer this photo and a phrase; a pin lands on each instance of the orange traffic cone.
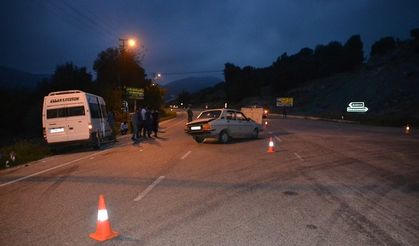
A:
(271, 148)
(103, 227)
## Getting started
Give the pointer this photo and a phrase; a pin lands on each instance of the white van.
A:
(75, 116)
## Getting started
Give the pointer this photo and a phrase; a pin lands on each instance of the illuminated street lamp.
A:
(132, 43)
(156, 76)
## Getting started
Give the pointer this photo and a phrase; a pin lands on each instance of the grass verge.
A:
(23, 151)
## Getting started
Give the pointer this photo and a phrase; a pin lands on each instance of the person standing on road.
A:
(155, 121)
(141, 121)
(135, 125)
(190, 113)
(147, 123)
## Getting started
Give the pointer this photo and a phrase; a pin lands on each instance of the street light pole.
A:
(122, 52)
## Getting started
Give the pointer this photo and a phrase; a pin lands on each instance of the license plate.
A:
(194, 128)
(56, 130)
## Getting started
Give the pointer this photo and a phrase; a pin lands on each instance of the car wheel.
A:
(199, 139)
(224, 137)
(255, 133)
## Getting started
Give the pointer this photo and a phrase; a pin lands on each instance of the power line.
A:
(92, 21)
(78, 18)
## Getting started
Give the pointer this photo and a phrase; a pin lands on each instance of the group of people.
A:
(144, 122)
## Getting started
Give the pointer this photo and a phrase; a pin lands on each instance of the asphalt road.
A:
(326, 184)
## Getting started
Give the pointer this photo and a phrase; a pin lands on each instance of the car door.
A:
(244, 125)
(232, 124)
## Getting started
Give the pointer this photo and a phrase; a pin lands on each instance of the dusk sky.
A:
(190, 35)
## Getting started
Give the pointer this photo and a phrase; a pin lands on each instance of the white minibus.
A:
(75, 116)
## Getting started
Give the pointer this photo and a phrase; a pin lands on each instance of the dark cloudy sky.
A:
(190, 35)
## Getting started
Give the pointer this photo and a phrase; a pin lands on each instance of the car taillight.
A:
(206, 127)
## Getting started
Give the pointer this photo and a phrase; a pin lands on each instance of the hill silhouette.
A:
(388, 82)
(190, 84)
(13, 78)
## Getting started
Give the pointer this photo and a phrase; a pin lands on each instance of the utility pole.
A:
(122, 44)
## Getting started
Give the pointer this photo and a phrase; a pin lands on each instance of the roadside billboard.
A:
(135, 93)
(284, 101)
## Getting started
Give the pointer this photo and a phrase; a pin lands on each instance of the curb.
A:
(302, 117)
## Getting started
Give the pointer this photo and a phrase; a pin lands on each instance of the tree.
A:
(117, 69)
(383, 46)
(414, 33)
(153, 96)
(67, 77)
(232, 76)
(354, 54)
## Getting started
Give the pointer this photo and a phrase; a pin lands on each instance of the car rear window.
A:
(212, 114)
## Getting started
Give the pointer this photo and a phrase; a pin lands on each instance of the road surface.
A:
(326, 184)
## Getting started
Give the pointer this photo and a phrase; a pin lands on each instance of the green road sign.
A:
(135, 93)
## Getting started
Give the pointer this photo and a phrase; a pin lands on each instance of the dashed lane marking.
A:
(185, 155)
(277, 138)
(149, 188)
(298, 156)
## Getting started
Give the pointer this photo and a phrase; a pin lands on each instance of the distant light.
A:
(225, 105)
(159, 75)
(407, 129)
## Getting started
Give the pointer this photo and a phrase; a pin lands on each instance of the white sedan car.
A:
(222, 124)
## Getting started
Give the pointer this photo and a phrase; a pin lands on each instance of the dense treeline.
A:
(290, 71)
(115, 70)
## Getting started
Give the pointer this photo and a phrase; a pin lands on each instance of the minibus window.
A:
(75, 111)
(56, 113)
(65, 112)
(94, 110)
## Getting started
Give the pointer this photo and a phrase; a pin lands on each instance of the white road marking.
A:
(175, 125)
(277, 138)
(52, 168)
(167, 121)
(185, 155)
(149, 188)
(298, 156)
(91, 158)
